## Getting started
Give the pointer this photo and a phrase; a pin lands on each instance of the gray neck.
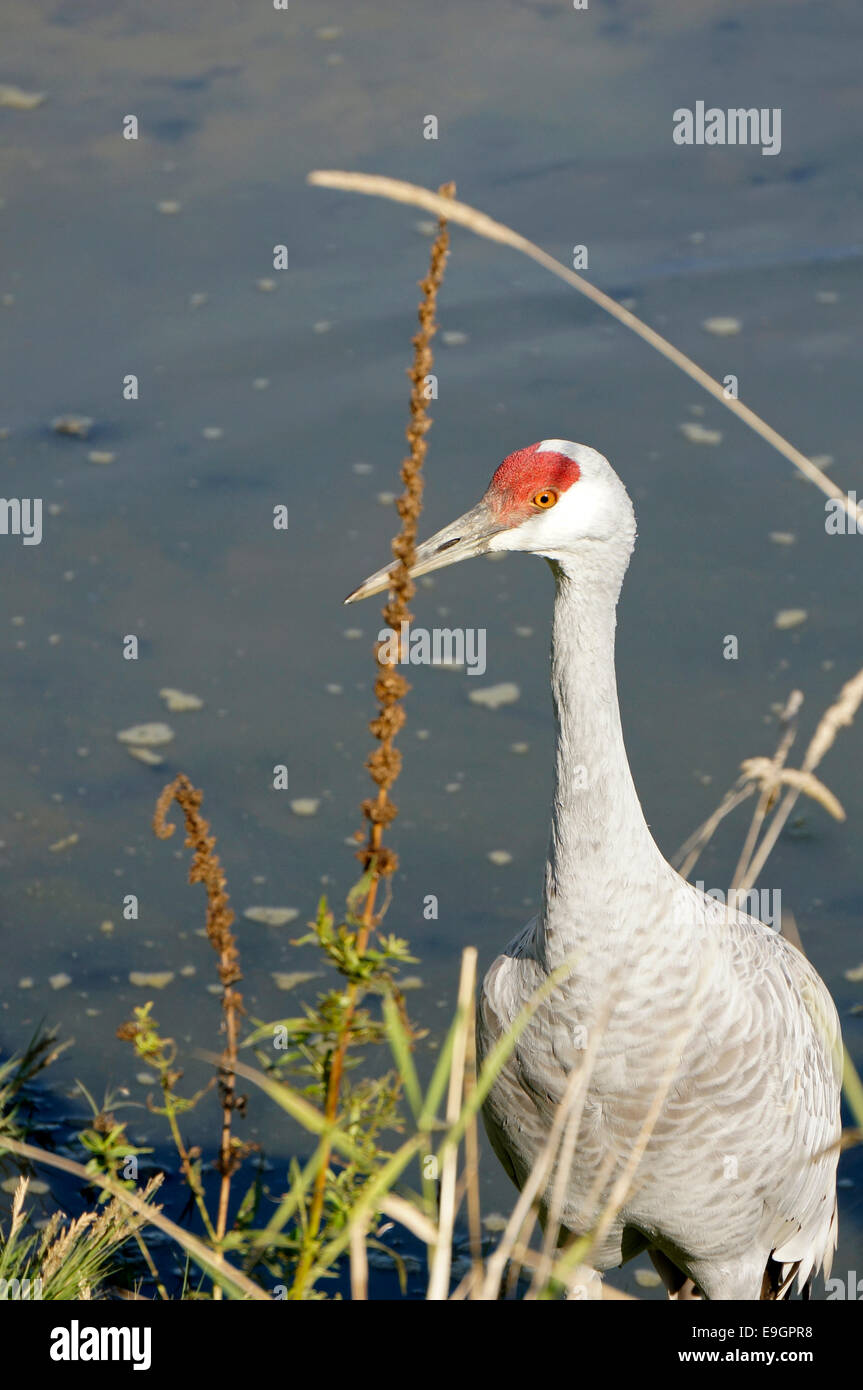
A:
(599, 837)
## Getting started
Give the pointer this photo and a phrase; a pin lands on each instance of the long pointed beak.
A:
(470, 535)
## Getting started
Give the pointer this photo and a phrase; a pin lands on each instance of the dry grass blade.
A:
(839, 715)
(18, 1199)
(359, 1264)
(403, 1211)
(471, 1157)
(768, 774)
(400, 192)
(691, 850)
(764, 771)
(765, 800)
(441, 1258)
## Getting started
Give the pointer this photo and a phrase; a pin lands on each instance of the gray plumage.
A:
(669, 994)
(740, 1167)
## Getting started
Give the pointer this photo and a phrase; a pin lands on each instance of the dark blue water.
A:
(558, 123)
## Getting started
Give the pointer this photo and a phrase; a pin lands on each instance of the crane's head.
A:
(554, 499)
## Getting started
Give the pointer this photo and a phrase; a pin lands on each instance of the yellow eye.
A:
(546, 498)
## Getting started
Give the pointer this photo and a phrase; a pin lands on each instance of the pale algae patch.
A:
(151, 735)
(179, 701)
(700, 434)
(790, 617)
(151, 979)
(289, 979)
(272, 916)
(495, 696)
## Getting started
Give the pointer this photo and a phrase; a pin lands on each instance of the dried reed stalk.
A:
(206, 868)
(442, 1257)
(359, 1264)
(839, 715)
(384, 763)
(767, 775)
(768, 785)
(471, 1158)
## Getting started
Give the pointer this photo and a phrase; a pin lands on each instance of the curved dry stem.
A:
(400, 192)
(838, 716)
(765, 800)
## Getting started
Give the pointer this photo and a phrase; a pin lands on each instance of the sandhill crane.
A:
(697, 1016)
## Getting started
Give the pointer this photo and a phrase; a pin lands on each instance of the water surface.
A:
(559, 124)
